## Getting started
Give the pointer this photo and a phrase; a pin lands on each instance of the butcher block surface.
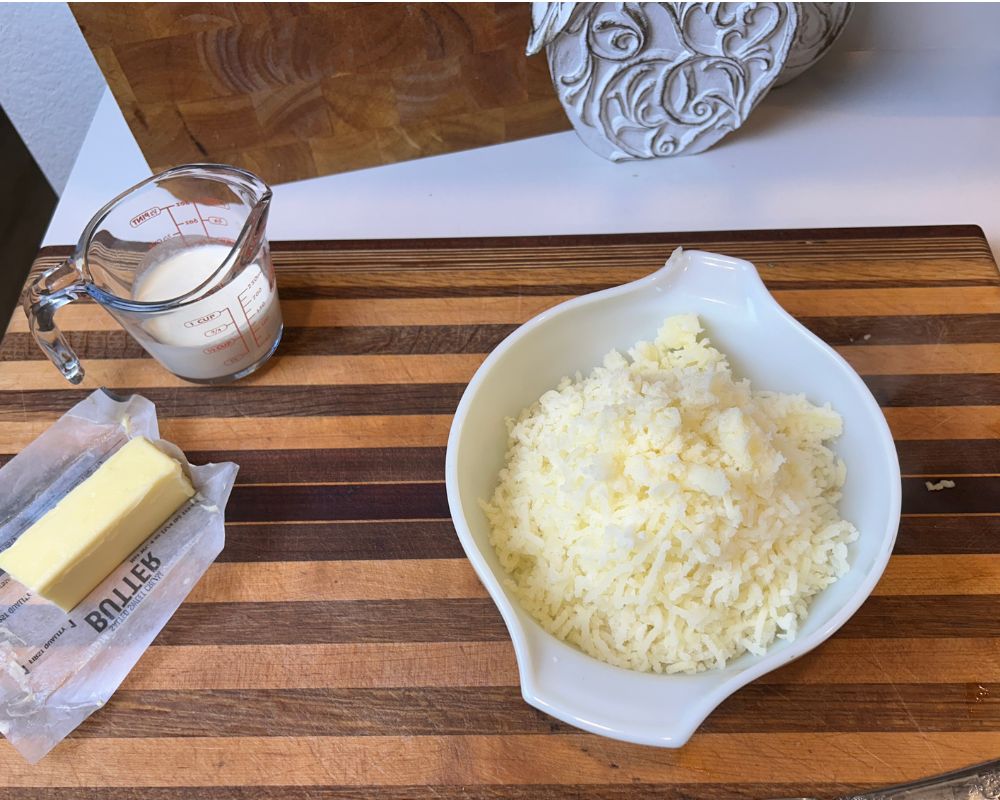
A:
(342, 647)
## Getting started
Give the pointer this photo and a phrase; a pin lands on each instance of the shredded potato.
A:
(662, 516)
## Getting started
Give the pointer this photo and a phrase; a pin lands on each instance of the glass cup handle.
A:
(50, 291)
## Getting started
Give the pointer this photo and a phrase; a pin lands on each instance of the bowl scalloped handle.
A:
(572, 686)
(720, 279)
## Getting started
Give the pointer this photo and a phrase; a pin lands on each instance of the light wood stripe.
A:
(881, 661)
(889, 302)
(287, 581)
(923, 359)
(262, 433)
(431, 430)
(73, 317)
(258, 666)
(941, 575)
(136, 373)
(309, 432)
(352, 313)
(446, 368)
(494, 310)
(522, 759)
(292, 581)
(944, 422)
(267, 666)
(607, 270)
(456, 368)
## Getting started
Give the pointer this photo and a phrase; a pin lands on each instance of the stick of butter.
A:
(78, 543)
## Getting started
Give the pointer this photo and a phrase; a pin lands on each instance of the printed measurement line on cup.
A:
(235, 325)
(203, 219)
(204, 227)
(178, 227)
(244, 301)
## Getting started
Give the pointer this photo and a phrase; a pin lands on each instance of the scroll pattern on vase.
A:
(647, 80)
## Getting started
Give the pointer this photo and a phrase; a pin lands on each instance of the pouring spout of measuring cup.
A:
(50, 291)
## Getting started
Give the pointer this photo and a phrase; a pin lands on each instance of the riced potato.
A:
(662, 516)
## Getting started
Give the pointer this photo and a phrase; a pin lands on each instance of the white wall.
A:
(50, 84)
(922, 26)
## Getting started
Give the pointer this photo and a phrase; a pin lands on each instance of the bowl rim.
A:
(701, 705)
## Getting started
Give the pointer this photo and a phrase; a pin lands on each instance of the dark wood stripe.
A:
(329, 622)
(394, 340)
(422, 711)
(338, 502)
(883, 707)
(499, 710)
(954, 535)
(925, 616)
(804, 237)
(916, 457)
(436, 339)
(623, 791)
(957, 389)
(340, 541)
(943, 329)
(299, 502)
(349, 465)
(86, 344)
(432, 398)
(921, 457)
(948, 457)
(477, 620)
(529, 289)
(386, 340)
(421, 539)
(971, 495)
(401, 538)
(935, 390)
(264, 401)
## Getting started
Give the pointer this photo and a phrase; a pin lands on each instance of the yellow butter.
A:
(78, 543)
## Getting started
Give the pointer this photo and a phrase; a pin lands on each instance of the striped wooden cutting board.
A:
(343, 648)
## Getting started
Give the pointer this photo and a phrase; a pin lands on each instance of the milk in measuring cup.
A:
(228, 331)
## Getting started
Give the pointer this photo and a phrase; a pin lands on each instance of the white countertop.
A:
(907, 133)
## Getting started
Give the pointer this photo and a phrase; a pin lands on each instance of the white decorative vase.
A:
(650, 80)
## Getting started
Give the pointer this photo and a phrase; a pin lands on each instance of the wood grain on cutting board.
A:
(341, 646)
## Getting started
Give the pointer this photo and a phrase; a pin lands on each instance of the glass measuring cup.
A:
(181, 262)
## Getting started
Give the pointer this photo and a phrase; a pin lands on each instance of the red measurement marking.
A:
(238, 330)
(180, 233)
(203, 226)
(216, 348)
(246, 316)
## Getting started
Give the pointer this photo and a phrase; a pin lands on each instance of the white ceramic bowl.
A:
(763, 343)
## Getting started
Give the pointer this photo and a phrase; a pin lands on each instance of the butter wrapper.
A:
(57, 668)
